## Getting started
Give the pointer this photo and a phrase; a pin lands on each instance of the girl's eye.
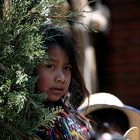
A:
(49, 66)
(68, 68)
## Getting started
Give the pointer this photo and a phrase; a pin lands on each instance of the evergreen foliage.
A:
(21, 49)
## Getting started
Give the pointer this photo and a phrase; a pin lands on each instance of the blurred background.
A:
(115, 47)
(118, 55)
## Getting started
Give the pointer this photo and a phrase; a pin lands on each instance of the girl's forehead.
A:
(55, 47)
(56, 53)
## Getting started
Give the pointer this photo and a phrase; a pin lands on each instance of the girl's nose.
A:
(60, 77)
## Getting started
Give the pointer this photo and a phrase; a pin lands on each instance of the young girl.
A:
(61, 80)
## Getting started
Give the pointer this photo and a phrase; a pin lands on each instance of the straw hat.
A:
(106, 100)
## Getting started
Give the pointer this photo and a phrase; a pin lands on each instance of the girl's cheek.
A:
(42, 85)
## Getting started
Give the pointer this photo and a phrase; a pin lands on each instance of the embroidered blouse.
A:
(68, 126)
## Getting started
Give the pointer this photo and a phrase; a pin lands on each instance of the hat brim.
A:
(132, 113)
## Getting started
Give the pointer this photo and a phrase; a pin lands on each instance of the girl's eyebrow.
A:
(54, 59)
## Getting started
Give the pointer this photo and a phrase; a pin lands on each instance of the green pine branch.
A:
(21, 49)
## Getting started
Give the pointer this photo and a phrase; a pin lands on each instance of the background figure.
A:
(110, 114)
(102, 23)
(94, 17)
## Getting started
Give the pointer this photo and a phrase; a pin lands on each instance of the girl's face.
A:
(55, 76)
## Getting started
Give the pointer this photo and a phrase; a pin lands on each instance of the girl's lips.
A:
(56, 90)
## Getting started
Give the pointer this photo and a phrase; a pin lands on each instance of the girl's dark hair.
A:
(54, 35)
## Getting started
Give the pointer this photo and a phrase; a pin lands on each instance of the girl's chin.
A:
(54, 99)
